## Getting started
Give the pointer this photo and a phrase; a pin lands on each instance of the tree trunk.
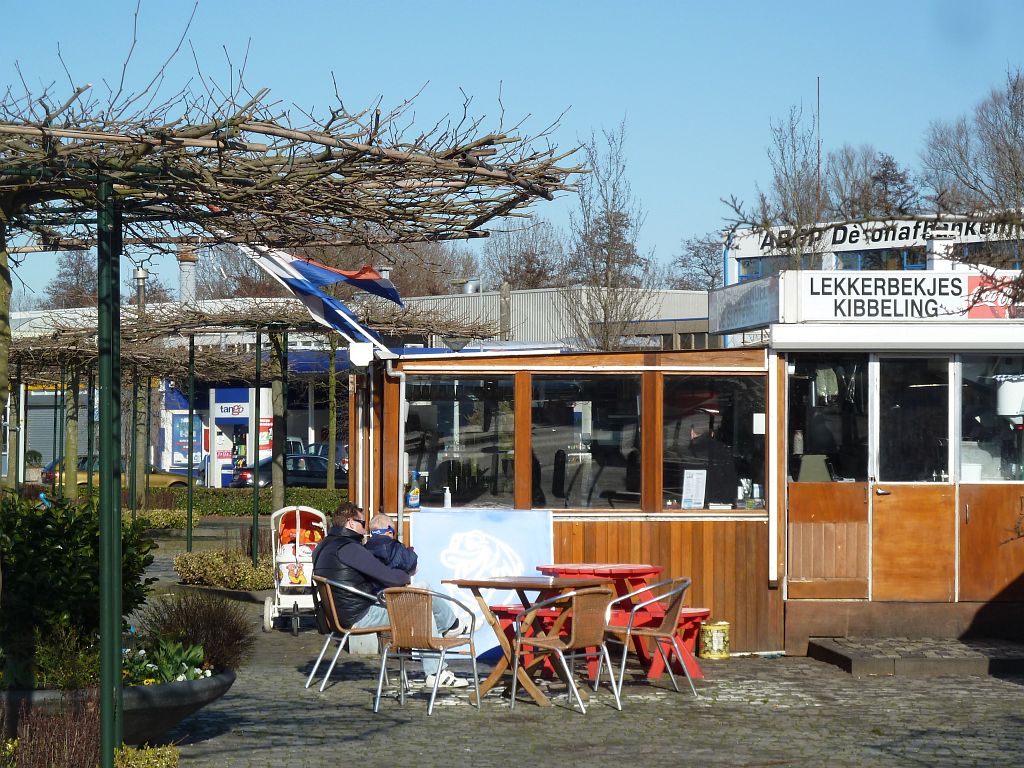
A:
(13, 437)
(69, 476)
(332, 411)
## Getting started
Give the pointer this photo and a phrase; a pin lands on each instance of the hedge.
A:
(227, 502)
(237, 502)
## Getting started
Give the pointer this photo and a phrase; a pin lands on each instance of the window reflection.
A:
(459, 433)
(913, 420)
(992, 418)
(586, 441)
(713, 441)
(827, 429)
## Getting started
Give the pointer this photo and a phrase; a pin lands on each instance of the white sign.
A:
(896, 296)
(694, 482)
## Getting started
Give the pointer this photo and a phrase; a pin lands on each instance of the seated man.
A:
(342, 557)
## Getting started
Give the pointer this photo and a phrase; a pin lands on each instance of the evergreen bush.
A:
(50, 555)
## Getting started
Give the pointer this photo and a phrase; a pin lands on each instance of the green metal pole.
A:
(91, 429)
(133, 479)
(191, 436)
(108, 248)
(256, 457)
(64, 468)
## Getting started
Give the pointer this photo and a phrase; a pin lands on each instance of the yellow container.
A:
(714, 640)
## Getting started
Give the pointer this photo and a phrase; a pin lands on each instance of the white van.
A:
(294, 445)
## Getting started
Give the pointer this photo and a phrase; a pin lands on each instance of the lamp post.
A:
(138, 454)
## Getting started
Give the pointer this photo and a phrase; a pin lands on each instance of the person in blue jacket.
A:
(386, 548)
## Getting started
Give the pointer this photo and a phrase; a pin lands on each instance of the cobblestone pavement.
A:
(751, 712)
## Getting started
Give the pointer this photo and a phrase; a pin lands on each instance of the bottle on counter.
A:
(447, 497)
(412, 496)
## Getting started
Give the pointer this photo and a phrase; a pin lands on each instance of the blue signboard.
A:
(476, 544)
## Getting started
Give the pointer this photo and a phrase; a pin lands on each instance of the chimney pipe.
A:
(187, 259)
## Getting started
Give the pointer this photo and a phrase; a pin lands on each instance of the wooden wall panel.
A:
(828, 540)
(991, 550)
(727, 560)
(713, 359)
(523, 445)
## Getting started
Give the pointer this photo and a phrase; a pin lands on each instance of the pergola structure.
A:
(230, 167)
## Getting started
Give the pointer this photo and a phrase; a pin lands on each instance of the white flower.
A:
(142, 652)
(207, 673)
(180, 678)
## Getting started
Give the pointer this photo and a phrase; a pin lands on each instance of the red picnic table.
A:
(630, 577)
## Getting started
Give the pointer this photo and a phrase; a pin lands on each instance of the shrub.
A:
(225, 569)
(162, 519)
(51, 575)
(68, 737)
(65, 659)
(33, 458)
(221, 626)
(147, 757)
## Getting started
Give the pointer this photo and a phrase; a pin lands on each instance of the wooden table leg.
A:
(506, 659)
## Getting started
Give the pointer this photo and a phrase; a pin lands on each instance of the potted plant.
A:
(49, 622)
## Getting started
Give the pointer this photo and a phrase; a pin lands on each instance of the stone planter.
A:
(149, 710)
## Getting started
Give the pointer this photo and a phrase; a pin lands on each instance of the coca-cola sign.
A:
(995, 296)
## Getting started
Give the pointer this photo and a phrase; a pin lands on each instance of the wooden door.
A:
(991, 543)
(913, 542)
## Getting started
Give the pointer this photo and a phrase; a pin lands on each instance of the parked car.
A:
(157, 478)
(340, 454)
(302, 470)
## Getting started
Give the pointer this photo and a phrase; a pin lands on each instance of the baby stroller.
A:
(294, 534)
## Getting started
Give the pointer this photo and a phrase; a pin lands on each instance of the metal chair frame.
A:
(337, 631)
(581, 637)
(410, 633)
(666, 632)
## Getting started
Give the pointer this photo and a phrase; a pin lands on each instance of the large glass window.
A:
(586, 441)
(827, 429)
(913, 420)
(459, 434)
(713, 442)
(992, 418)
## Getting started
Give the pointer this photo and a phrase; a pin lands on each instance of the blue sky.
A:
(696, 83)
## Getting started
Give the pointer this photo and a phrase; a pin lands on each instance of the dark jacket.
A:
(392, 553)
(342, 557)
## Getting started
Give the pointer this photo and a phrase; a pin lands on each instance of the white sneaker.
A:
(461, 626)
(447, 679)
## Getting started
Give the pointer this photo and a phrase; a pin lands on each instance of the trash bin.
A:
(714, 640)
